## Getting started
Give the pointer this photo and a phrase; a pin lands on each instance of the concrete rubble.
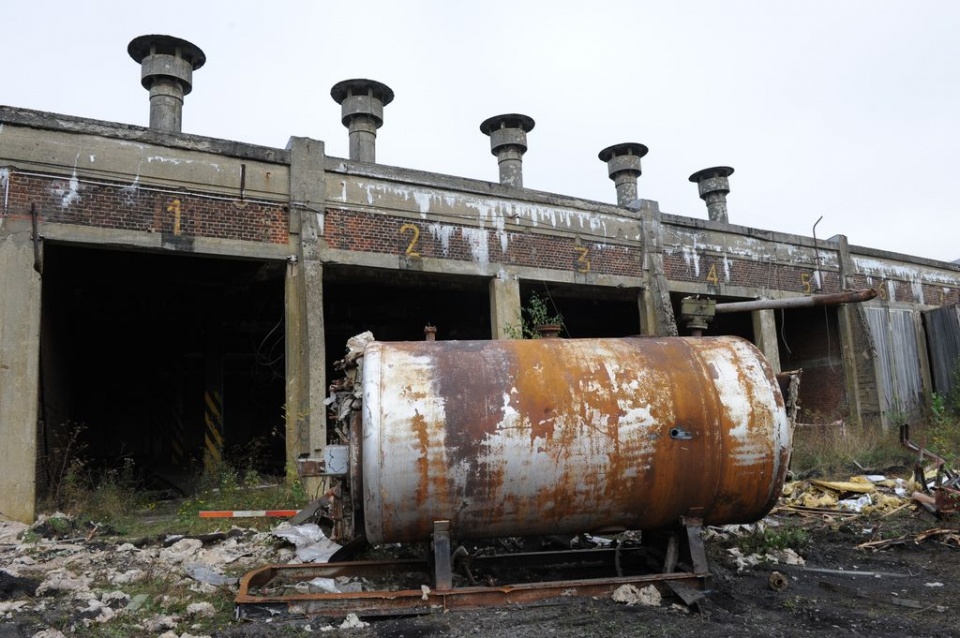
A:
(171, 587)
(165, 590)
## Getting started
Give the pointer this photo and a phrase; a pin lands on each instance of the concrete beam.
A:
(208, 246)
(765, 336)
(19, 371)
(139, 165)
(505, 306)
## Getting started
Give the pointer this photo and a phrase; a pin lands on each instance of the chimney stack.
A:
(623, 166)
(508, 141)
(362, 103)
(166, 70)
(714, 186)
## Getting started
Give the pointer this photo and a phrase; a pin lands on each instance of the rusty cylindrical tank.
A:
(535, 437)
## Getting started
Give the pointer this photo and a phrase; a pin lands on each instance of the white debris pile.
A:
(312, 544)
(75, 583)
(772, 556)
(633, 595)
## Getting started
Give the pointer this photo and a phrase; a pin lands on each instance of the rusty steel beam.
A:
(251, 601)
(835, 299)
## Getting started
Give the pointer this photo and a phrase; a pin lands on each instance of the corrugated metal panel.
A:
(943, 342)
(900, 381)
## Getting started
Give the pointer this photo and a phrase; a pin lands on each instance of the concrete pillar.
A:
(656, 310)
(361, 111)
(765, 336)
(508, 141)
(713, 186)
(19, 371)
(853, 328)
(166, 70)
(505, 318)
(305, 348)
(623, 167)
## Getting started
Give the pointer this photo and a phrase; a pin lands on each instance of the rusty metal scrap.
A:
(287, 588)
(835, 299)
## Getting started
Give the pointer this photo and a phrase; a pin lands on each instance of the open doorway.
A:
(140, 351)
(587, 311)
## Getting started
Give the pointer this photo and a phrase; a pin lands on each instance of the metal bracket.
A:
(698, 554)
(443, 572)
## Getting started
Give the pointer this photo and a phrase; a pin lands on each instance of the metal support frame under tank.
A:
(400, 586)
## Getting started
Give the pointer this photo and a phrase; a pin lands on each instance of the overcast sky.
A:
(847, 110)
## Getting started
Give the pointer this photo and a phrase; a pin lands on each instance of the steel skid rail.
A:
(266, 591)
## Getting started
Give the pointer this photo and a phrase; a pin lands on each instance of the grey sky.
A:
(842, 109)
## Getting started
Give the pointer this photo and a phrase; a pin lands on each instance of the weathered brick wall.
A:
(179, 214)
(908, 292)
(376, 233)
(809, 339)
(718, 270)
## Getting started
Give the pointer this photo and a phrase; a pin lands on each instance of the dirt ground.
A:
(910, 588)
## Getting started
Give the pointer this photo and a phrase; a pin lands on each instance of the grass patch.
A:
(224, 488)
(834, 450)
(784, 537)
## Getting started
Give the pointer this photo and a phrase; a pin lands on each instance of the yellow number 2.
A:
(411, 250)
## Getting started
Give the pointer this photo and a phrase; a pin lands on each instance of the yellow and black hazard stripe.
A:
(213, 433)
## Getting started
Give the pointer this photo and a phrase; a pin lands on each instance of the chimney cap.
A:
(145, 45)
(360, 86)
(507, 120)
(626, 148)
(713, 171)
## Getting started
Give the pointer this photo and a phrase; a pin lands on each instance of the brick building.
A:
(167, 293)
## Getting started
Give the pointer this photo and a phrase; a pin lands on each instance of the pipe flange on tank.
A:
(680, 434)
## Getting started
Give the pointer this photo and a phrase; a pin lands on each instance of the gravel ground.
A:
(59, 578)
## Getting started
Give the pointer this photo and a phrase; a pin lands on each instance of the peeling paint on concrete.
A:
(5, 184)
(916, 275)
(681, 241)
(177, 162)
(132, 190)
(691, 256)
(69, 193)
(916, 287)
(442, 233)
(490, 211)
(478, 239)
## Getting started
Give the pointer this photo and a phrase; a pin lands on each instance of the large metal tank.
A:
(553, 436)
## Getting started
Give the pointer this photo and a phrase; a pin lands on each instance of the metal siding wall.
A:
(877, 320)
(901, 382)
(907, 361)
(943, 342)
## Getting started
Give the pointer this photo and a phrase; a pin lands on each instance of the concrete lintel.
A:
(140, 166)
(339, 169)
(492, 269)
(207, 246)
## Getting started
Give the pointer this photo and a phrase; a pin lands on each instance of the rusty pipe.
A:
(835, 299)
